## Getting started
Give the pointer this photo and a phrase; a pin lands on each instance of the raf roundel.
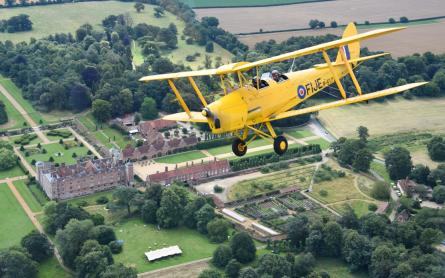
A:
(301, 91)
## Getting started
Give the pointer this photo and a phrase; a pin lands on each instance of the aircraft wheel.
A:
(280, 145)
(239, 147)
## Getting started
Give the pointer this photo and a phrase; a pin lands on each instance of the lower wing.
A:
(343, 102)
(194, 117)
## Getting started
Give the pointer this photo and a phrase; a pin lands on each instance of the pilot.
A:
(276, 76)
(257, 81)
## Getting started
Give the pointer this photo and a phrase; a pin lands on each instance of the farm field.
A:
(294, 176)
(15, 223)
(180, 157)
(15, 171)
(17, 94)
(139, 238)
(392, 116)
(23, 189)
(234, 3)
(298, 16)
(53, 150)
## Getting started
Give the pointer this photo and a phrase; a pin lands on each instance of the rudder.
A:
(352, 50)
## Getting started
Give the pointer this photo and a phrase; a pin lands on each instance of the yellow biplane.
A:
(254, 104)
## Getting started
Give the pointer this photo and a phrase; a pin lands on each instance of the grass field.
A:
(392, 116)
(235, 3)
(17, 94)
(339, 189)
(15, 119)
(380, 169)
(139, 238)
(91, 199)
(23, 189)
(14, 222)
(228, 148)
(360, 207)
(180, 157)
(336, 268)
(53, 150)
(294, 176)
(323, 143)
(299, 133)
(51, 268)
(15, 171)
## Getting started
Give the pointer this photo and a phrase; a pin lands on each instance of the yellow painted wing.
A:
(318, 48)
(343, 102)
(196, 117)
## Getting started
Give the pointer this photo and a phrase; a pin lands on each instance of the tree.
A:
(148, 109)
(321, 25)
(119, 271)
(398, 163)
(298, 230)
(222, 255)
(103, 234)
(79, 97)
(334, 24)
(91, 76)
(57, 215)
(392, 20)
(274, 265)
(159, 12)
(16, 263)
(436, 148)
(91, 264)
(381, 191)
(232, 269)
(383, 260)
(210, 273)
(362, 161)
(7, 159)
(101, 110)
(170, 212)
(303, 265)
(98, 219)
(38, 246)
(248, 272)
(124, 196)
(148, 211)
(363, 133)
(313, 23)
(190, 211)
(3, 114)
(404, 19)
(373, 224)
(139, 7)
(209, 47)
(243, 247)
(314, 243)
(218, 230)
(356, 250)
(333, 239)
(203, 216)
(439, 194)
(420, 174)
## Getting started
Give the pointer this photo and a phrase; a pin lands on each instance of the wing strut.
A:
(350, 71)
(197, 91)
(179, 97)
(331, 68)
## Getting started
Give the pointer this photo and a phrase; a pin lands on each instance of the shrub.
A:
(323, 193)
(392, 20)
(380, 191)
(115, 246)
(372, 207)
(82, 203)
(218, 189)
(102, 200)
(404, 19)
(334, 24)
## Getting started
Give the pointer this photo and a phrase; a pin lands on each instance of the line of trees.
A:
(18, 23)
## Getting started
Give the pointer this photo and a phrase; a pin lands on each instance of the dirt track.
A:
(238, 20)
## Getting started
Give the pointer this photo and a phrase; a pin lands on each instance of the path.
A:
(85, 142)
(25, 163)
(22, 111)
(318, 129)
(33, 219)
(320, 203)
(190, 269)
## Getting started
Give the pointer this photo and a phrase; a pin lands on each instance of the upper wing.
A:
(364, 97)
(319, 47)
(195, 117)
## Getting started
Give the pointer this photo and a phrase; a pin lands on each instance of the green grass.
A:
(91, 199)
(57, 137)
(181, 157)
(38, 194)
(17, 94)
(53, 149)
(14, 222)
(15, 119)
(228, 148)
(336, 268)
(51, 268)
(360, 207)
(339, 189)
(103, 133)
(15, 171)
(380, 169)
(235, 3)
(139, 238)
(300, 133)
(253, 153)
(33, 204)
(323, 143)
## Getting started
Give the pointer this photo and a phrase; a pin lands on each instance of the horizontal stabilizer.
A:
(195, 117)
(343, 102)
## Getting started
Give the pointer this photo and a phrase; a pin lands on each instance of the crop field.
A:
(235, 3)
(15, 223)
(294, 176)
(57, 152)
(298, 16)
(139, 238)
(23, 189)
(392, 116)
(181, 157)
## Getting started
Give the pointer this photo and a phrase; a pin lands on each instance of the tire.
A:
(280, 145)
(239, 147)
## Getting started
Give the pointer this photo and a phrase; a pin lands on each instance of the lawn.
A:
(181, 157)
(295, 176)
(323, 143)
(339, 189)
(300, 133)
(380, 169)
(91, 199)
(360, 207)
(51, 268)
(228, 148)
(17, 94)
(23, 189)
(15, 119)
(336, 268)
(139, 238)
(391, 116)
(252, 152)
(15, 223)
(33, 141)
(235, 3)
(38, 194)
(53, 150)
(15, 171)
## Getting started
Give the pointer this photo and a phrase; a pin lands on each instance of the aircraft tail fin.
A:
(352, 50)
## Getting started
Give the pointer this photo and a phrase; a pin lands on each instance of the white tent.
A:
(162, 253)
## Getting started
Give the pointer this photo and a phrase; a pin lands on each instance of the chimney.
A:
(192, 163)
(187, 164)
(202, 161)
(214, 159)
(166, 168)
(176, 167)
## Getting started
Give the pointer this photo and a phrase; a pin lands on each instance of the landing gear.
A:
(280, 145)
(239, 147)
